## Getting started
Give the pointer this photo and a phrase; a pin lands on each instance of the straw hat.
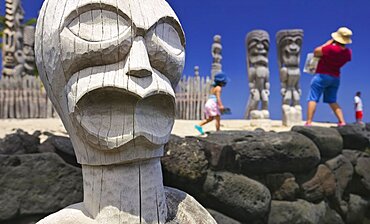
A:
(343, 35)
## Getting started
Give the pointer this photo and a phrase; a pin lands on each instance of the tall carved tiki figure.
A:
(216, 55)
(18, 42)
(12, 37)
(289, 43)
(109, 67)
(258, 44)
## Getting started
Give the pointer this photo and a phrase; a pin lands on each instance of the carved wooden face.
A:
(258, 45)
(289, 46)
(110, 67)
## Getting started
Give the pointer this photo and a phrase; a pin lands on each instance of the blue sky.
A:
(233, 19)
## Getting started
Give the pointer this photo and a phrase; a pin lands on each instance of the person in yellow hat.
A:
(333, 55)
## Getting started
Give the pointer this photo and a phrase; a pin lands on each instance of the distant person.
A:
(214, 106)
(333, 55)
(358, 108)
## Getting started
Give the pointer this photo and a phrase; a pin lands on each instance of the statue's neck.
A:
(135, 189)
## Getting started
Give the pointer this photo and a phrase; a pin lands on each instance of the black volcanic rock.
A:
(36, 184)
(362, 169)
(343, 170)
(360, 182)
(322, 185)
(237, 196)
(218, 151)
(283, 212)
(283, 186)
(62, 146)
(354, 137)
(184, 164)
(353, 155)
(19, 143)
(357, 208)
(268, 152)
(221, 218)
(328, 140)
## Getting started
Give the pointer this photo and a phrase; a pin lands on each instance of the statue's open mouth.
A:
(111, 117)
(291, 58)
(259, 59)
(113, 108)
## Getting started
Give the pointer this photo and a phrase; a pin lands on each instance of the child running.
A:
(214, 106)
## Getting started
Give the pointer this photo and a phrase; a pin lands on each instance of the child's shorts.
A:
(324, 84)
(211, 109)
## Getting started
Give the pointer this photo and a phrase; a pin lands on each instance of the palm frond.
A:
(2, 22)
(30, 22)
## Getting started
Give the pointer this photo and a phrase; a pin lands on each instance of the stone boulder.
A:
(362, 168)
(367, 127)
(321, 186)
(184, 164)
(288, 190)
(360, 161)
(237, 196)
(360, 180)
(354, 137)
(229, 137)
(353, 155)
(283, 186)
(218, 151)
(343, 171)
(261, 153)
(19, 143)
(62, 146)
(183, 208)
(327, 140)
(221, 218)
(37, 184)
(283, 212)
(357, 208)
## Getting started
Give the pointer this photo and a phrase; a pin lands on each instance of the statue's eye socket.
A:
(252, 43)
(169, 38)
(98, 25)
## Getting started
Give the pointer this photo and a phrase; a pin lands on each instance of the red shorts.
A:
(359, 115)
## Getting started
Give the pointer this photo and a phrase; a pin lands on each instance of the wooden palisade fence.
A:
(191, 95)
(24, 97)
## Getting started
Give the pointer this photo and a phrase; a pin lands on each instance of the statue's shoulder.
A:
(183, 208)
(75, 214)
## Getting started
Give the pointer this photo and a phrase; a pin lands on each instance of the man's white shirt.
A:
(358, 102)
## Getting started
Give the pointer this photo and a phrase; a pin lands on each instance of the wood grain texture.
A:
(257, 44)
(191, 95)
(182, 208)
(110, 67)
(23, 97)
(289, 43)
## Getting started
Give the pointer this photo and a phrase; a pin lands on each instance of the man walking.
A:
(358, 108)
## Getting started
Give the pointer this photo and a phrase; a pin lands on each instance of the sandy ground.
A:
(181, 128)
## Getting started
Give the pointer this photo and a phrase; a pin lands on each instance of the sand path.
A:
(181, 128)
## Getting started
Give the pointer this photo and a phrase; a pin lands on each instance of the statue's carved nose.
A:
(139, 64)
(260, 46)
